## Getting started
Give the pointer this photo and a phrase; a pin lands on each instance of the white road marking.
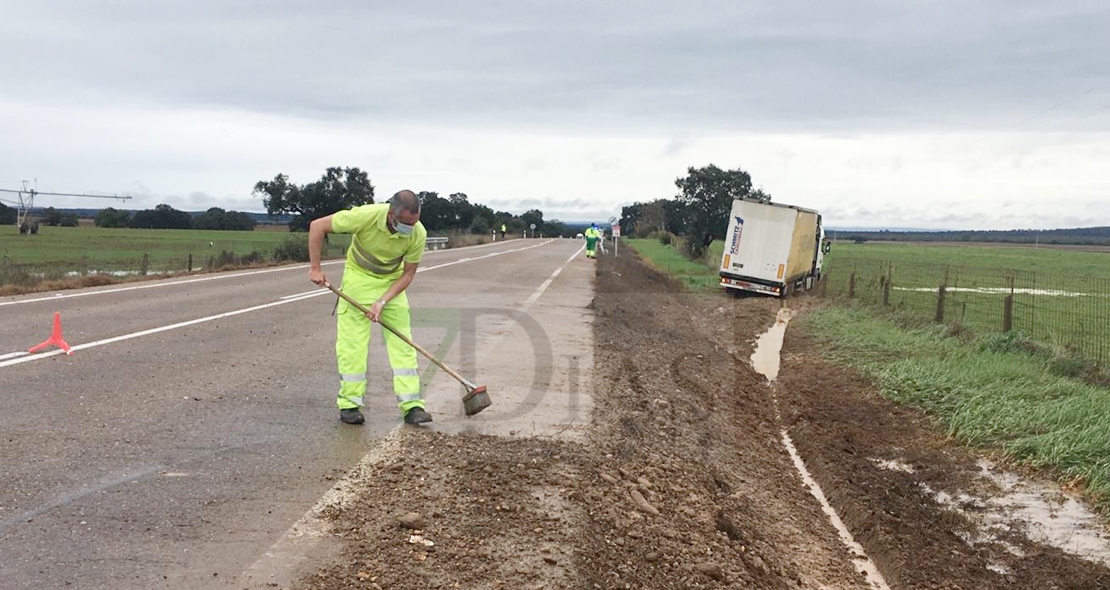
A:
(535, 296)
(12, 355)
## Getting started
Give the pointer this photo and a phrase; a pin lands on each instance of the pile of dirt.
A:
(682, 481)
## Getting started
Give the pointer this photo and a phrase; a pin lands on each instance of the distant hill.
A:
(1099, 236)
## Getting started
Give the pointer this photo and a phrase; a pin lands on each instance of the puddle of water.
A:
(116, 273)
(893, 465)
(1042, 512)
(996, 291)
(768, 347)
(766, 360)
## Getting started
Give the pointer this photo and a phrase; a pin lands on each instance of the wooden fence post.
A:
(886, 280)
(144, 265)
(1008, 313)
(190, 262)
(1008, 307)
(940, 304)
(852, 284)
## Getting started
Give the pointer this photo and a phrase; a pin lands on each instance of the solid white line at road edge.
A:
(290, 299)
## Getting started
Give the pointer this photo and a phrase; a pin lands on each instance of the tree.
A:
(483, 220)
(513, 224)
(533, 216)
(436, 213)
(676, 216)
(630, 219)
(653, 217)
(8, 215)
(217, 218)
(337, 189)
(51, 217)
(55, 217)
(464, 211)
(641, 219)
(111, 217)
(556, 228)
(161, 217)
(707, 194)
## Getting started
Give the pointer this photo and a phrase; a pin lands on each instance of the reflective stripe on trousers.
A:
(353, 339)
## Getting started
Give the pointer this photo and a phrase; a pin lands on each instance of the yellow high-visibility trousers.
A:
(352, 342)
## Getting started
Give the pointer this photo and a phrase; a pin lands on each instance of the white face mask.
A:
(402, 228)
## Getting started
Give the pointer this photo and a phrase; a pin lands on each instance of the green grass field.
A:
(1059, 297)
(123, 249)
(1030, 259)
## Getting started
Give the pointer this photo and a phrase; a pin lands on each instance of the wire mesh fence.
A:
(1065, 311)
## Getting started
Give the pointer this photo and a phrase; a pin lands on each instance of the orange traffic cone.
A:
(55, 337)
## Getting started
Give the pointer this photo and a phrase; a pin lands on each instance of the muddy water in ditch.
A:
(765, 361)
(1042, 512)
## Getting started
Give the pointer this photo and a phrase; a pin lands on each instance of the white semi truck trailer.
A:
(772, 248)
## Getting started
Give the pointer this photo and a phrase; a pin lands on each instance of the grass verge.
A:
(696, 276)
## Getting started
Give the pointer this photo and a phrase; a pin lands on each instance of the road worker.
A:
(387, 244)
(593, 236)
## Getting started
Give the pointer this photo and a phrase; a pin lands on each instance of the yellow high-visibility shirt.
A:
(374, 248)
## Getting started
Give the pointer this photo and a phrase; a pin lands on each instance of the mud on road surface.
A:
(682, 481)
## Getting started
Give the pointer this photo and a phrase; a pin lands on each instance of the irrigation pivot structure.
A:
(26, 203)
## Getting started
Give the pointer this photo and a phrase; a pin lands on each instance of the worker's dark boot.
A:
(417, 416)
(351, 416)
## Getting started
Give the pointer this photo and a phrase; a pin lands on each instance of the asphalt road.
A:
(195, 423)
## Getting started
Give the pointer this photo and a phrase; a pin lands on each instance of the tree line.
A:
(699, 212)
(343, 188)
(161, 217)
(166, 217)
(338, 189)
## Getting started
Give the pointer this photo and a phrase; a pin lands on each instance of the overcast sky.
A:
(945, 114)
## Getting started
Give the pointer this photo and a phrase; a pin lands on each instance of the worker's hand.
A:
(375, 314)
(317, 276)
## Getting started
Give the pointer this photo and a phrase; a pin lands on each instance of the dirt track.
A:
(683, 481)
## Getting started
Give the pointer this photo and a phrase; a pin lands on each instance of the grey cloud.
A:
(582, 66)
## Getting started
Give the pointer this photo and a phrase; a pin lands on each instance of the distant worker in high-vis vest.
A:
(387, 244)
(593, 236)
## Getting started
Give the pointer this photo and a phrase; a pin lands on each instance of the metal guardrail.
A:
(435, 243)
